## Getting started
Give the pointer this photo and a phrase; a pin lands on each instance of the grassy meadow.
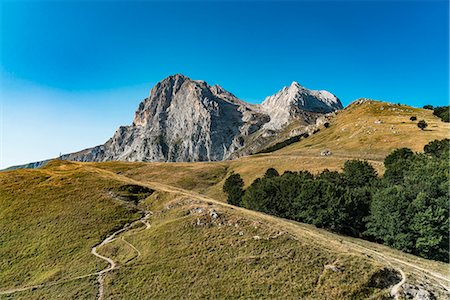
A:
(50, 218)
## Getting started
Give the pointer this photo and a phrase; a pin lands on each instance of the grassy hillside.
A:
(50, 219)
(188, 254)
(371, 130)
(196, 247)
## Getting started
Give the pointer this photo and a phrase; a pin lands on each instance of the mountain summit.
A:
(293, 101)
(189, 120)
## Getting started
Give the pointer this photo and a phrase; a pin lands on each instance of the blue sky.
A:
(72, 72)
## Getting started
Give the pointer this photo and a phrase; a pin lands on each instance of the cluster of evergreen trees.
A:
(440, 111)
(408, 208)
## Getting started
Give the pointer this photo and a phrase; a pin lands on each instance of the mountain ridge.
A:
(189, 120)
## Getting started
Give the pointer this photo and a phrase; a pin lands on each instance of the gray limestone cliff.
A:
(189, 120)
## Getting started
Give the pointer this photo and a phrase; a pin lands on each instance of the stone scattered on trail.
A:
(325, 153)
(332, 268)
(197, 210)
(206, 216)
(213, 214)
(256, 237)
(416, 293)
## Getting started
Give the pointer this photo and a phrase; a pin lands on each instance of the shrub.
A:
(270, 173)
(282, 144)
(428, 106)
(413, 216)
(422, 124)
(331, 176)
(326, 124)
(413, 118)
(395, 164)
(437, 148)
(398, 155)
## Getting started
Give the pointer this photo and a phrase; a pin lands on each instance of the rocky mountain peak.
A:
(290, 102)
(190, 120)
(296, 85)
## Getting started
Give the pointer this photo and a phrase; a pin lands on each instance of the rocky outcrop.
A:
(181, 120)
(189, 120)
(297, 102)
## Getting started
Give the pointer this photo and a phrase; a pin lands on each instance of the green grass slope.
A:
(50, 219)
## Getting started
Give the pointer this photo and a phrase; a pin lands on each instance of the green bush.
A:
(234, 188)
(395, 164)
(284, 143)
(358, 173)
(438, 148)
(270, 173)
(422, 124)
(413, 216)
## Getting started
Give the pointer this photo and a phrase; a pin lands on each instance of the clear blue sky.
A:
(72, 72)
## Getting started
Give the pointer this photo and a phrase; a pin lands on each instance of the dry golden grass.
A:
(232, 256)
(50, 218)
(175, 257)
(355, 132)
(196, 176)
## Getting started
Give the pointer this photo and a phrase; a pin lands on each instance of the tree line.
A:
(407, 208)
(440, 111)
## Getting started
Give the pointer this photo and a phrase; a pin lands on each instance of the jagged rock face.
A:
(296, 102)
(189, 120)
(182, 120)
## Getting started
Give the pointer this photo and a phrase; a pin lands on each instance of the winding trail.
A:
(295, 229)
(112, 264)
(131, 246)
(394, 290)
(300, 229)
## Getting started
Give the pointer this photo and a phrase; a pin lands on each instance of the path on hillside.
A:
(112, 264)
(296, 230)
(299, 230)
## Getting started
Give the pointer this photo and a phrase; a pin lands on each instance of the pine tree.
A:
(234, 188)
